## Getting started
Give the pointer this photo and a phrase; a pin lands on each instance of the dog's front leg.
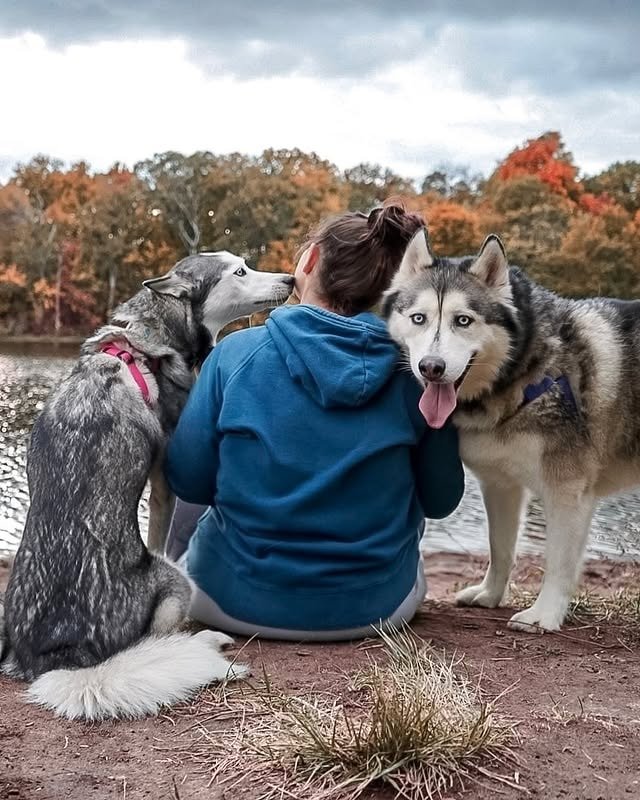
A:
(504, 504)
(161, 503)
(568, 512)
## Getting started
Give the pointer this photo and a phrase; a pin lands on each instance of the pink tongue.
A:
(437, 403)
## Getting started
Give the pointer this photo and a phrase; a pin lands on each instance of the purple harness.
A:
(535, 390)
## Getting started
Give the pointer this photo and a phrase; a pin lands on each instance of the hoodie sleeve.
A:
(192, 460)
(438, 472)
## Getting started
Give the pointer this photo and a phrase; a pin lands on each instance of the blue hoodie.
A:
(305, 438)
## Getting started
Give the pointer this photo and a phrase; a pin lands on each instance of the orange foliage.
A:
(12, 275)
(453, 229)
(117, 179)
(13, 292)
(280, 257)
(597, 204)
(318, 179)
(543, 157)
(74, 243)
(76, 304)
(151, 259)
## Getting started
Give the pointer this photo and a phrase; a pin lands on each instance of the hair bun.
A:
(389, 223)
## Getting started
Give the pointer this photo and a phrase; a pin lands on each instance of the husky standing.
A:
(90, 613)
(545, 393)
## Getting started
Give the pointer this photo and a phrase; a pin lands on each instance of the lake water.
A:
(28, 375)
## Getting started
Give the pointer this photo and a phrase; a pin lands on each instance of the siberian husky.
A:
(91, 615)
(544, 392)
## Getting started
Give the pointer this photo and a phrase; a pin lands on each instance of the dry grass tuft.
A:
(413, 724)
(620, 609)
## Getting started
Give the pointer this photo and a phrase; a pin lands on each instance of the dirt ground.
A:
(575, 695)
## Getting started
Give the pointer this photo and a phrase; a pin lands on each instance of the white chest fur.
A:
(517, 460)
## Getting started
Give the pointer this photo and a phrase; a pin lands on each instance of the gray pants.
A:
(205, 610)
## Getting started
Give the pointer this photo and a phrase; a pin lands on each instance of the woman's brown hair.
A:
(360, 253)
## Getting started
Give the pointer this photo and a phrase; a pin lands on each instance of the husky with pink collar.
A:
(544, 392)
(92, 615)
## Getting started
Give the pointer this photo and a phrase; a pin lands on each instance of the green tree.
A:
(456, 183)
(178, 185)
(621, 181)
(533, 221)
(368, 185)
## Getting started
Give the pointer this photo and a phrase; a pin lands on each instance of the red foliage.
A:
(597, 204)
(545, 158)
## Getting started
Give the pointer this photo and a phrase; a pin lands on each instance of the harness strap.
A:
(535, 390)
(129, 359)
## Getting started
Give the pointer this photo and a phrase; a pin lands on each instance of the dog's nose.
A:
(432, 368)
(289, 280)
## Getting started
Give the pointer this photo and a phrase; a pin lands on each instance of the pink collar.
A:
(129, 359)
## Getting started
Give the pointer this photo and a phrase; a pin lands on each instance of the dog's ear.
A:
(171, 283)
(491, 265)
(417, 256)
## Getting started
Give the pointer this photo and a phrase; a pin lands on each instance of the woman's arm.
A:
(192, 459)
(438, 472)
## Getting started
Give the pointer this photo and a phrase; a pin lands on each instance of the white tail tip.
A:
(153, 673)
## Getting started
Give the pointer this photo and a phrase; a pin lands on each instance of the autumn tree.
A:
(178, 185)
(533, 221)
(453, 182)
(15, 301)
(600, 255)
(369, 185)
(453, 229)
(547, 159)
(65, 302)
(118, 226)
(282, 195)
(620, 182)
(74, 243)
(38, 181)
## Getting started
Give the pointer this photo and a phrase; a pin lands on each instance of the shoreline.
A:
(35, 345)
(37, 338)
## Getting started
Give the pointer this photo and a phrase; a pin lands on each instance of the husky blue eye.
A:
(418, 319)
(463, 320)
(240, 271)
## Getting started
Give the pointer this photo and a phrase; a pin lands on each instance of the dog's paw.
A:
(237, 672)
(222, 669)
(479, 595)
(537, 619)
(216, 639)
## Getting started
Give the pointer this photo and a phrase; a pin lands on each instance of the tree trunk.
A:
(190, 240)
(56, 322)
(111, 298)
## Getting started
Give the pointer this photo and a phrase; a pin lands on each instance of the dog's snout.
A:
(289, 280)
(432, 368)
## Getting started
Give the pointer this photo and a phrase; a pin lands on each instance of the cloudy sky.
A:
(406, 83)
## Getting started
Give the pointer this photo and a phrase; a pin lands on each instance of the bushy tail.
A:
(138, 681)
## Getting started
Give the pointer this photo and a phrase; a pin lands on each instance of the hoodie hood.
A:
(340, 361)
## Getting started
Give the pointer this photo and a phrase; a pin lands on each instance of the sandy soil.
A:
(575, 695)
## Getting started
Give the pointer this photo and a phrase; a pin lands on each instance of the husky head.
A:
(221, 288)
(453, 318)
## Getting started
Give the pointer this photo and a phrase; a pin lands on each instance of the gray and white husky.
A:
(544, 391)
(91, 615)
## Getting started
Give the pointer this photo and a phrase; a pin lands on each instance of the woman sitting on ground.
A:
(304, 441)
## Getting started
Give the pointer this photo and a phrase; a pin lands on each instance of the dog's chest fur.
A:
(516, 460)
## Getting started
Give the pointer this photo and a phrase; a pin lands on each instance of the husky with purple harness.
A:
(91, 614)
(544, 392)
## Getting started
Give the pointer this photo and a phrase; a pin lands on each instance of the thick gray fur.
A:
(567, 453)
(84, 586)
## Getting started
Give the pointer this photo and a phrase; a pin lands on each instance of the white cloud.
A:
(125, 100)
